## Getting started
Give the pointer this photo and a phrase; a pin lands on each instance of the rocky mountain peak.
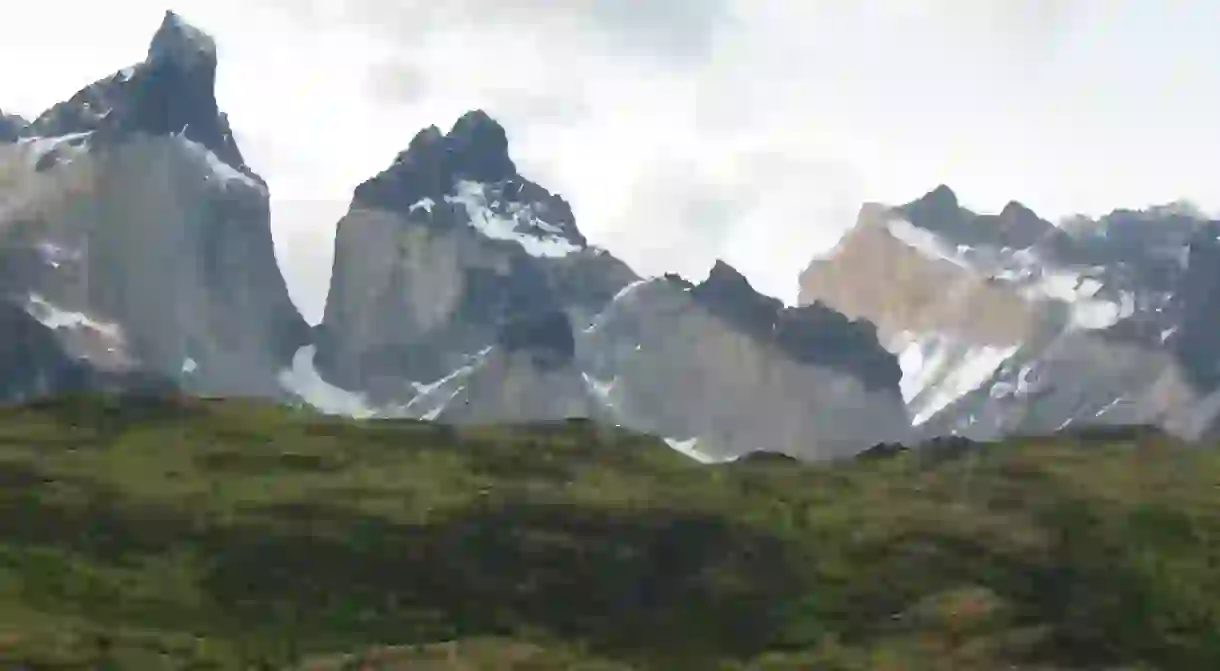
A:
(171, 92)
(174, 91)
(474, 150)
(809, 334)
(1015, 226)
(936, 210)
(1016, 211)
(429, 142)
(942, 196)
(479, 148)
(724, 277)
(11, 127)
(728, 294)
(181, 45)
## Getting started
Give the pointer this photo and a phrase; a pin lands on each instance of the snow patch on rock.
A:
(522, 225)
(54, 317)
(1034, 279)
(689, 447)
(66, 146)
(303, 380)
(217, 170)
(937, 370)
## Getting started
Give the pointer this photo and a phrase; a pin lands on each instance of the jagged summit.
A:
(942, 195)
(810, 334)
(171, 92)
(723, 274)
(1015, 226)
(479, 147)
(938, 204)
(474, 150)
(174, 90)
(1017, 210)
(133, 231)
(181, 44)
(465, 178)
(728, 293)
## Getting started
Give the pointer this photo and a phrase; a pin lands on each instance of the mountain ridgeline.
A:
(136, 253)
(464, 292)
(1005, 324)
(136, 234)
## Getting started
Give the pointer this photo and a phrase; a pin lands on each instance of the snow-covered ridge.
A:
(55, 317)
(522, 224)
(937, 370)
(216, 169)
(1033, 278)
(620, 296)
(927, 243)
(68, 146)
(690, 448)
(82, 335)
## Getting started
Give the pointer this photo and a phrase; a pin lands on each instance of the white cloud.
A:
(681, 131)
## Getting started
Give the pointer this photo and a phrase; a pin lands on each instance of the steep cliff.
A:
(130, 205)
(464, 292)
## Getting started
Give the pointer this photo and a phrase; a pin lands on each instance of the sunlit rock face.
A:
(1006, 324)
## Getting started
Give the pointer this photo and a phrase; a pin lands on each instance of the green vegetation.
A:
(153, 535)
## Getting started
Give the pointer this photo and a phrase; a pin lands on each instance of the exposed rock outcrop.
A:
(464, 292)
(1005, 324)
(129, 205)
(12, 127)
(724, 371)
(441, 252)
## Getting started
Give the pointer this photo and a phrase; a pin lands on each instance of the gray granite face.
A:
(694, 361)
(38, 363)
(444, 252)
(12, 127)
(465, 292)
(33, 362)
(135, 232)
(812, 334)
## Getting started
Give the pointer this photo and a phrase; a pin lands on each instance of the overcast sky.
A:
(685, 130)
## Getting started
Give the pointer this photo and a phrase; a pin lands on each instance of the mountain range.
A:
(136, 255)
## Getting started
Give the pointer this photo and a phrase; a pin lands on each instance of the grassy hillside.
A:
(225, 534)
